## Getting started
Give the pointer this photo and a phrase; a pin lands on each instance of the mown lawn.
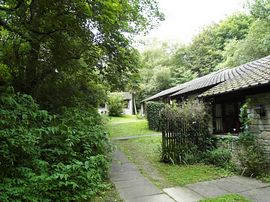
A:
(121, 119)
(145, 152)
(227, 198)
(128, 126)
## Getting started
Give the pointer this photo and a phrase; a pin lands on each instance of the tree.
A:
(256, 43)
(204, 54)
(46, 41)
(156, 70)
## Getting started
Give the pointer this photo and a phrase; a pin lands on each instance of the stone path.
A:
(133, 187)
(249, 188)
(130, 183)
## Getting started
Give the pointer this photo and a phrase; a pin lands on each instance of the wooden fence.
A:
(181, 138)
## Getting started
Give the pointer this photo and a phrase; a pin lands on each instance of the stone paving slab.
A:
(183, 194)
(252, 189)
(154, 198)
(119, 167)
(135, 182)
(130, 183)
(258, 195)
(125, 176)
(134, 192)
(231, 186)
(207, 189)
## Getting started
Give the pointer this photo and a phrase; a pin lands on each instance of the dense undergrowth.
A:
(45, 157)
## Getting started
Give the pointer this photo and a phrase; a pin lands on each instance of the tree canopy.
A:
(58, 49)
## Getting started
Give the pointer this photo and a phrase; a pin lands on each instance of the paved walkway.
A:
(130, 183)
(249, 188)
(133, 187)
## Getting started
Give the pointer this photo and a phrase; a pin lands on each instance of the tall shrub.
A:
(185, 133)
(115, 104)
(153, 110)
(50, 158)
(251, 153)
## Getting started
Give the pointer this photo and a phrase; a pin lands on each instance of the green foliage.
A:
(153, 110)
(49, 158)
(254, 46)
(185, 133)
(156, 68)
(218, 157)
(205, 52)
(115, 104)
(63, 48)
(251, 155)
(260, 8)
(4, 74)
(251, 152)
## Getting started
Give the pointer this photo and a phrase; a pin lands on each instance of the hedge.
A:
(153, 115)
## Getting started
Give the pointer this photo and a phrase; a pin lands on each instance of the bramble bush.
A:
(50, 158)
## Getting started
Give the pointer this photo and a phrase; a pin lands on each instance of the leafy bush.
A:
(115, 104)
(153, 110)
(50, 158)
(185, 133)
(218, 157)
(251, 154)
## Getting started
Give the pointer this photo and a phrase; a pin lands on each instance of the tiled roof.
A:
(252, 74)
(164, 93)
(205, 81)
(225, 80)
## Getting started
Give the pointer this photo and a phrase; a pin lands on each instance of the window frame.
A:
(235, 117)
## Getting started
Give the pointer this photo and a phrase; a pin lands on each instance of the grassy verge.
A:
(227, 198)
(123, 127)
(144, 152)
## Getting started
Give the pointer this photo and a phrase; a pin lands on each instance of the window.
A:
(226, 117)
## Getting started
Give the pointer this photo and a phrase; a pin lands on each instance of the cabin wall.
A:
(260, 124)
(129, 109)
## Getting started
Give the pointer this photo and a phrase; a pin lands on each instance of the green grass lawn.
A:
(144, 152)
(128, 126)
(121, 119)
(227, 198)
